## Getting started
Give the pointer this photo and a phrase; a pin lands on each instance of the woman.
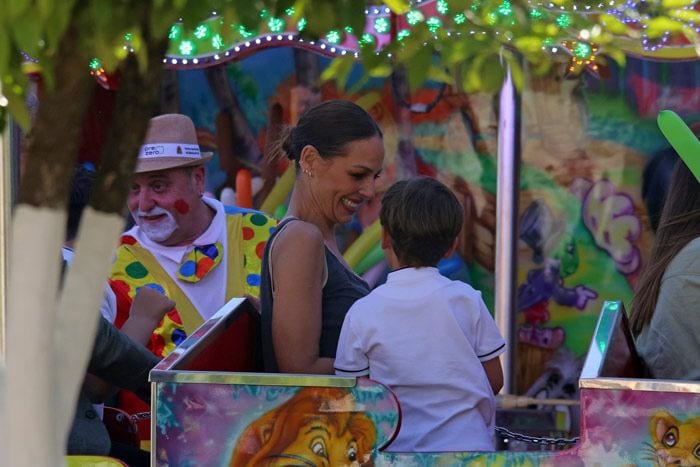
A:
(665, 316)
(306, 286)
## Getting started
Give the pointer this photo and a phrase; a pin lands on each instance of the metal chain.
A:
(535, 440)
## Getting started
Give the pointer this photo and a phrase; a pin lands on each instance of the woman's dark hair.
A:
(422, 217)
(329, 127)
(655, 179)
(679, 224)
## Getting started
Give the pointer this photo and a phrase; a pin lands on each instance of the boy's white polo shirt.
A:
(425, 336)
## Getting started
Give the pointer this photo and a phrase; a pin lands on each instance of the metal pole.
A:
(506, 214)
(6, 157)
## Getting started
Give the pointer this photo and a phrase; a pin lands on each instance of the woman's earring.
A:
(308, 173)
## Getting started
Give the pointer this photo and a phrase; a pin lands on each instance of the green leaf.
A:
(352, 13)
(161, 22)
(376, 66)
(411, 45)
(197, 11)
(677, 3)
(688, 16)
(541, 68)
(418, 67)
(529, 44)
(619, 56)
(459, 51)
(56, 26)
(339, 70)
(369, 100)
(657, 27)
(105, 51)
(437, 73)
(492, 75)
(613, 24)
(16, 105)
(4, 55)
(15, 9)
(320, 17)
(399, 7)
(281, 6)
(45, 9)
(381, 70)
(27, 33)
(472, 77)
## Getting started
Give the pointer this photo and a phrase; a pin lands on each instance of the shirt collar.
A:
(411, 274)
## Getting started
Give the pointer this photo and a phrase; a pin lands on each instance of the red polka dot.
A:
(248, 233)
(203, 266)
(119, 286)
(260, 249)
(157, 345)
(127, 240)
(175, 316)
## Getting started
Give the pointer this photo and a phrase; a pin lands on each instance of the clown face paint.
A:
(181, 206)
(157, 223)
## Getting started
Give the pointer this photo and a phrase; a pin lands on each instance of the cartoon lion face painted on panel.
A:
(674, 442)
(313, 428)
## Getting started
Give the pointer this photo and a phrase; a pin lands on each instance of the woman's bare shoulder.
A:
(298, 237)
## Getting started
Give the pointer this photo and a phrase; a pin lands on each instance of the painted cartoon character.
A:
(611, 218)
(547, 282)
(560, 381)
(316, 427)
(674, 442)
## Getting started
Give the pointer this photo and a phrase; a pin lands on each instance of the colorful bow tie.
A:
(198, 262)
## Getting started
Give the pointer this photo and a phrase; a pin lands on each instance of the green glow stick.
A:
(682, 139)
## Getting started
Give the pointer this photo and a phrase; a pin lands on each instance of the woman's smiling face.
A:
(341, 184)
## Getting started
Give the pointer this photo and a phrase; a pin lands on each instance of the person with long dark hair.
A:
(665, 316)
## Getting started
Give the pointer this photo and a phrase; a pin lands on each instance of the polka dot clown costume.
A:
(192, 248)
(135, 267)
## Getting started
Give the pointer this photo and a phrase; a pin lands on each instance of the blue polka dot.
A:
(178, 336)
(209, 250)
(188, 269)
(253, 279)
(156, 287)
(272, 229)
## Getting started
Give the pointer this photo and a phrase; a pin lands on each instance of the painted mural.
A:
(218, 418)
(583, 226)
(316, 426)
(243, 425)
(247, 425)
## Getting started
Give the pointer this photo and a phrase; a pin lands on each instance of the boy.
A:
(430, 339)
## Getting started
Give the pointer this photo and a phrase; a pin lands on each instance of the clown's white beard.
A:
(158, 232)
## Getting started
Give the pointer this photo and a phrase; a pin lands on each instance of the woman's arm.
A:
(298, 268)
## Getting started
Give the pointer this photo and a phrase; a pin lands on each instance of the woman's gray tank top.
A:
(342, 289)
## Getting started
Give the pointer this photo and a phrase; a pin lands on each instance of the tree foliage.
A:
(468, 46)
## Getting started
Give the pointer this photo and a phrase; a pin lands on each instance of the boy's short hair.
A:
(422, 217)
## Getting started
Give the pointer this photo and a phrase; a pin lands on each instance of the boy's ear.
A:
(455, 244)
(386, 240)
